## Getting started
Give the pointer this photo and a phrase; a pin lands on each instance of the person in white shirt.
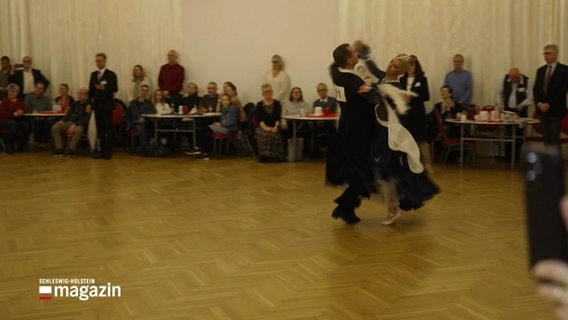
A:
(514, 94)
(278, 79)
(294, 105)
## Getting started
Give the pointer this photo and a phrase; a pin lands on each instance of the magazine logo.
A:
(82, 289)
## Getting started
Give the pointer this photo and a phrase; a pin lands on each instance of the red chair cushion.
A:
(222, 135)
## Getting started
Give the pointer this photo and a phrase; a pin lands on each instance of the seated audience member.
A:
(64, 100)
(325, 101)
(209, 102)
(12, 110)
(294, 105)
(27, 77)
(192, 99)
(227, 124)
(38, 102)
(161, 106)
(325, 131)
(231, 90)
(168, 99)
(74, 122)
(136, 121)
(139, 79)
(448, 109)
(269, 140)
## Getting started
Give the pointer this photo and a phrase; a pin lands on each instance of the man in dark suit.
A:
(348, 156)
(550, 89)
(102, 85)
(27, 78)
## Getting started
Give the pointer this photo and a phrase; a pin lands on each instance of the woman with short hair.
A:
(12, 120)
(268, 136)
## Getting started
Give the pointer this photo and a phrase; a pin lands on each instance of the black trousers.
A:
(359, 186)
(103, 117)
(551, 128)
(509, 145)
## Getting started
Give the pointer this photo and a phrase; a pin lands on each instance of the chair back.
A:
(537, 126)
(441, 130)
(565, 124)
(117, 113)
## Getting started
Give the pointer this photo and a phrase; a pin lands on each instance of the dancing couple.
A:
(373, 152)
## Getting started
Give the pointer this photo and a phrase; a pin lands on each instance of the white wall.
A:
(218, 40)
(493, 35)
(234, 41)
(223, 40)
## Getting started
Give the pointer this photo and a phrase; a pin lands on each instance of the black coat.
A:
(557, 90)
(415, 119)
(348, 156)
(18, 78)
(103, 99)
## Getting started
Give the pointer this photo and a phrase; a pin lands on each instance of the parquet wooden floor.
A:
(236, 239)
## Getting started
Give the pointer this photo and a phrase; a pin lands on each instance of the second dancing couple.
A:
(373, 152)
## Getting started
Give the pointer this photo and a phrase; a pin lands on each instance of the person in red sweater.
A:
(13, 125)
(171, 77)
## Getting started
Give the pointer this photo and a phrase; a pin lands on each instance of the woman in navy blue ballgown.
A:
(395, 158)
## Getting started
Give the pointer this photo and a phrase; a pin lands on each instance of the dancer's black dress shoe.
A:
(347, 217)
(98, 156)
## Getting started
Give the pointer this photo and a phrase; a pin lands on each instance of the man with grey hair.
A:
(460, 81)
(74, 123)
(550, 89)
(171, 77)
(514, 94)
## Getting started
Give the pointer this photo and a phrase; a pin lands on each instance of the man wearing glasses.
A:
(550, 89)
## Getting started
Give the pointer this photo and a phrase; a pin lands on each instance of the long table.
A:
(189, 118)
(41, 115)
(512, 138)
(299, 120)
